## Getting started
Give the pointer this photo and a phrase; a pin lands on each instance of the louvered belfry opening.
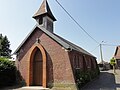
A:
(44, 17)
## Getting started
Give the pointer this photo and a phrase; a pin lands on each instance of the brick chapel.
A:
(46, 59)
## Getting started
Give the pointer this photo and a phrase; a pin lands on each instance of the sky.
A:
(100, 18)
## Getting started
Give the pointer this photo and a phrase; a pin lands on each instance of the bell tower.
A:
(44, 16)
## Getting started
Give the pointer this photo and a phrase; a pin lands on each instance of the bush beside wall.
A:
(85, 76)
(7, 72)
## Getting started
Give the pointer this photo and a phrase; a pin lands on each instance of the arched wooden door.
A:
(37, 68)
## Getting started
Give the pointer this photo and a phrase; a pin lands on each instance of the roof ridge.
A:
(25, 39)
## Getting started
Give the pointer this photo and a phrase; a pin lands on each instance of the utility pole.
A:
(101, 53)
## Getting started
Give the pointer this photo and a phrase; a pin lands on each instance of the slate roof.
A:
(44, 10)
(63, 42)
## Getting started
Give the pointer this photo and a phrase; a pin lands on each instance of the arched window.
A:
(84, 63)
(78, 62)
(75, 63)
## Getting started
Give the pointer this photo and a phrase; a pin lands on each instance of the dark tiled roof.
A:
(64, 43)
(75, 47)
(44, 9)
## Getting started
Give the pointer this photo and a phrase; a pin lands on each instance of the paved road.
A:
(106, 81)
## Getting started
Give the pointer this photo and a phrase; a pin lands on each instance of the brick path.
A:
(106, 81)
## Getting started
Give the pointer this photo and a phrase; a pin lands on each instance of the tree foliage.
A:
(5, 50)
(113, 61)
(7, 72)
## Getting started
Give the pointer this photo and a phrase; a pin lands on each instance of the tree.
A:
(7, 72)
(113, 63)
(5, 50)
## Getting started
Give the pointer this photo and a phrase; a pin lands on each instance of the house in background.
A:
(117, 56)
(46, 59)
(104, 66)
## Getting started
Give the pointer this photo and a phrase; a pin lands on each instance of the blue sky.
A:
(100, 18)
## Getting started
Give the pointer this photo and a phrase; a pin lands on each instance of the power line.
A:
(99, 44)
(76, 22)
(95, 48)
(103, 45)
(109, 45)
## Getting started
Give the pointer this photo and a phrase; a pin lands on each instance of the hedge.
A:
(7, 72)
(82, 77)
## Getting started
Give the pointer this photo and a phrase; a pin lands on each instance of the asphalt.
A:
(106, 81)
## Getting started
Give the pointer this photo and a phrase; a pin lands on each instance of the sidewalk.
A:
(106, 81)
(26, 88)
(32, 88)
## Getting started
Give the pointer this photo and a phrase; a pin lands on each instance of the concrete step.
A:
(32, 88)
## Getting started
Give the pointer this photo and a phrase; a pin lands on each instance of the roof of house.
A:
(63, 42)
(117, 52)
(44, 9)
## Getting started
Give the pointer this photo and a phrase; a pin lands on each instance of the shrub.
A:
(83, 77)
(7, 72)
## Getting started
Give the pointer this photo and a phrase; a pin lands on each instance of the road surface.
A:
(106, 81)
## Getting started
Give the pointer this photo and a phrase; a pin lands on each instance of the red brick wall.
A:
(58, 63)
(59, 60)
(23, 62)
(82, 61)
